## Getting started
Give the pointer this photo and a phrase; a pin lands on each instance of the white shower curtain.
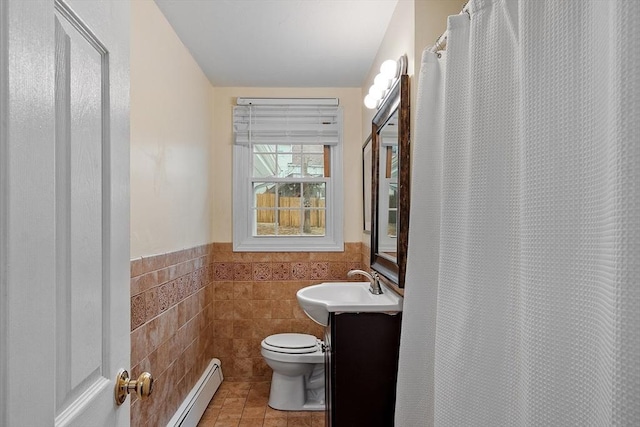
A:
(532, 310)
(414, 402)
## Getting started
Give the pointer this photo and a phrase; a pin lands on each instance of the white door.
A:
(64, 211)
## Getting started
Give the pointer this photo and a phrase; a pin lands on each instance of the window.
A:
(287, 189)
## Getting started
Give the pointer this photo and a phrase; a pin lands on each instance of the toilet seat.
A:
(291, 343)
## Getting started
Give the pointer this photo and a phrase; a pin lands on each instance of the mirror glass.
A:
(388, 190)
(390, 184)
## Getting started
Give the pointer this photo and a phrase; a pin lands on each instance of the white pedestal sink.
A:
(318, 301)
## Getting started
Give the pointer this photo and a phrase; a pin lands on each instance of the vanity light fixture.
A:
(390, 72)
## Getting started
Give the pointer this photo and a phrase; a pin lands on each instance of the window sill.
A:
(289, 244)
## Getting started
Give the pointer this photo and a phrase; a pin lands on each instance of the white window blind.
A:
(282, 124)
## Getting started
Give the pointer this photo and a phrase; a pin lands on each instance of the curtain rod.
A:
(441, 41)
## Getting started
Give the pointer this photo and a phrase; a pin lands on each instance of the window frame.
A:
(243, 212)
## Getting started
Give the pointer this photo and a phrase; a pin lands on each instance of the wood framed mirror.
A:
(366, 185)
(390, 184)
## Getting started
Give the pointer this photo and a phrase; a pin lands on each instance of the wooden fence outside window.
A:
(289, 213)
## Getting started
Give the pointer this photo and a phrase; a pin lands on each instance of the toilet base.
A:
(314, 406)
(288, 394)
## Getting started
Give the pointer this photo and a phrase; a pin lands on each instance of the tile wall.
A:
(171, 322)
(365, 251)
(208, 301)
(255, 296)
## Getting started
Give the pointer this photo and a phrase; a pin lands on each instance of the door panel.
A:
(80, 107)
(64, 202)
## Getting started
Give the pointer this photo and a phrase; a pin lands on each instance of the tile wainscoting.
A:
(171, 322)
(191, 305)
(255, 296)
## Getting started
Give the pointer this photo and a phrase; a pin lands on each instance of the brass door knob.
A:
(143, 386)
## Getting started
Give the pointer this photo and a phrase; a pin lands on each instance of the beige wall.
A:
(224, 100)
(170, 139)
(430, 23)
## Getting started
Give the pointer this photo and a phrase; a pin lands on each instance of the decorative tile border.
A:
(281, 271)
(223, 271)
(138, 311)
(300, 270)
(261, 271)
(242, 271)
(319, 271)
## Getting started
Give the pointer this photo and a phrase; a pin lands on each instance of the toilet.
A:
(297, 361)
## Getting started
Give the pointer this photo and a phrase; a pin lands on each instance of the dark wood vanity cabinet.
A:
(361, 365)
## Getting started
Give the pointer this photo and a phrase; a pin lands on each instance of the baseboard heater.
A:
(194, 405)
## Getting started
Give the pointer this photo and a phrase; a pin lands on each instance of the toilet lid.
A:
(292, 343)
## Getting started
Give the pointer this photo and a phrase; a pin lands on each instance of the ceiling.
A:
(281, 43)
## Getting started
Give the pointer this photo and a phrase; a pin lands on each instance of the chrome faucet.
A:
(373, 277)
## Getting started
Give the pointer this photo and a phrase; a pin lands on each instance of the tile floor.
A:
(244, 404)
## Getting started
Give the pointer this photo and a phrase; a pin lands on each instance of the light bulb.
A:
(382, 82)
(375, 92)
(389, 68)
(370, 102)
